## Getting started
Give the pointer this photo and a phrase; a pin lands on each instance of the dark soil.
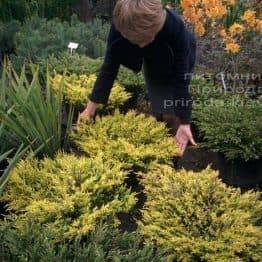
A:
(128, 220)
(238, 173)
(3, 208)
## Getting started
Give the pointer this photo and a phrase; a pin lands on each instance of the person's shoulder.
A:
(114, 34)
(175, 19)
(175, 28)
(173, 12)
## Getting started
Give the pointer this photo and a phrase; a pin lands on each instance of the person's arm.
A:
(105, 80)
(108, 72)
(181, 45)
(180, 42)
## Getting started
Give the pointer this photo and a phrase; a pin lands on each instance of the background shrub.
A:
(206, 90)
(135, 84)
(68, 195)
(235, 12)
(78, 89)
(228, 121)
(81, 64)
(7, 34)
(39, 38)
(212, 59)
(63, 63)
(24, 9)
(133, 139)
(104, 8)
(130, 80)
(196, 217)
(232, 127)
(73, 64)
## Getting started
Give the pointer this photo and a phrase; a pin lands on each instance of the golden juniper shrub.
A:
(196, 217)
(133, 139)
(68, 194)
(79, 87)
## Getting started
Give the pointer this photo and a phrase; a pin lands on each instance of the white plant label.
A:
(73, 46)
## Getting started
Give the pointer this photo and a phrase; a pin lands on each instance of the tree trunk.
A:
(84, 10)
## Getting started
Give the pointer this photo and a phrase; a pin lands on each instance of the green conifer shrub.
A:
(133, 139)
(196, 217)
(81, 64)
(73, 64)
(229, 122)
(105, 244)
(68, 194)
(61, 63)
(24, 9)
(38, 38)
(130, 80)
(7, 34)
(135, 84)
(233, 127)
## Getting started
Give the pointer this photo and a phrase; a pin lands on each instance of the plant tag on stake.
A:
(72, 46)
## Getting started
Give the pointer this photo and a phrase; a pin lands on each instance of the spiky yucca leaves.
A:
(105, 244)
(78, 88)
(196, 217)
(31, 116)
(133, 139)
(68, 194)
(5, 174)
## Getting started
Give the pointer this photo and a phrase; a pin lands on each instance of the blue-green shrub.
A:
(39, 38)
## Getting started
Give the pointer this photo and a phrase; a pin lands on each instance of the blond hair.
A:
(136, 19)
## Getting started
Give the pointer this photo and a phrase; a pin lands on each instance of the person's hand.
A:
(88, 113)
(183, 136)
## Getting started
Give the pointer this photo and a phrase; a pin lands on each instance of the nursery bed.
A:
(238, 173)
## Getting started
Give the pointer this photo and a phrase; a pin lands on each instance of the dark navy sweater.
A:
(169, 58)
